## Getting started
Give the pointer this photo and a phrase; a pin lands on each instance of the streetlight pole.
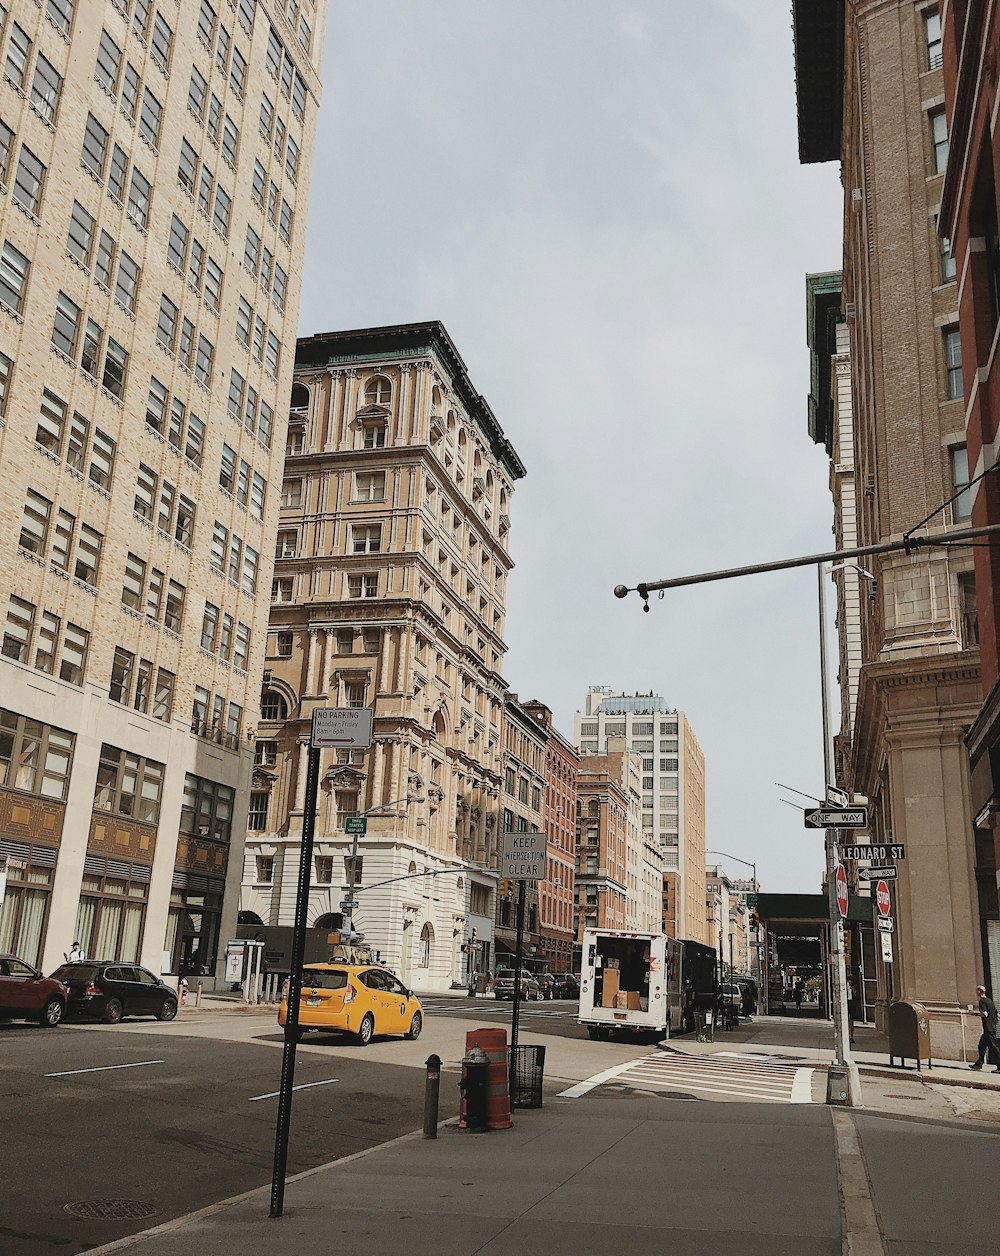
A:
(350, 900)
(752, 865)
(838, 982)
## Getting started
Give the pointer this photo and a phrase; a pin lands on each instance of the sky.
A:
(601, 200)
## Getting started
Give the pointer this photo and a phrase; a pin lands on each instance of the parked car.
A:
(26, 995)
(359, 999)
(503, 986)
(731, 994)
(548, 985)
(108, 990)
(748, 989)
(568, 986)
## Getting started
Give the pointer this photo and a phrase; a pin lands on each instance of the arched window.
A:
(378, 391)
(435, 397)
(426, 941)
(273, 706)
(300, 397)
(328, 921)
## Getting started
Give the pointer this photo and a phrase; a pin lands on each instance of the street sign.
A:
(837, 797)
(885, 923)
(356, 824)
(886, 940)
(522, 856)
(876, 853)
(751, 900)
(842, 898)
(882, 899)
(342, 728)
(873, 874)
(836, 818)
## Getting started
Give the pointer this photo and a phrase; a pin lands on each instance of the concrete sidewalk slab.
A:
(578, 1178)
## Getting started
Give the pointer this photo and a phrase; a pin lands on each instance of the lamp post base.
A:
(843, 1085)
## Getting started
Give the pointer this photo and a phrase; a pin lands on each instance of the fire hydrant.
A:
(475, 1068)
(183, 991)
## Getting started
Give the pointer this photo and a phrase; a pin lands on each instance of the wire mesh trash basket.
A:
(527, 1066)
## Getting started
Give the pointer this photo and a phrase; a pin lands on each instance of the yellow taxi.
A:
(360, 999)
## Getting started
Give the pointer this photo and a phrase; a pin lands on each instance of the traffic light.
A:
(754, 921)
(506, 889)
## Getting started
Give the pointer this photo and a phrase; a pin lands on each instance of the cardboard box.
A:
(610, 988)
(634, 1001)
(621, 999)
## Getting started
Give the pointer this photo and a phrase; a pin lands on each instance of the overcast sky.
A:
(601, 201)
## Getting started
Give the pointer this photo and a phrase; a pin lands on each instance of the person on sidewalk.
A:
(988, 1044)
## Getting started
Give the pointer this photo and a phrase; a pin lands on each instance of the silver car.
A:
(503, 986)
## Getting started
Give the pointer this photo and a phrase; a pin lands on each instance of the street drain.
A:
(111, 1209)
(911, 1098)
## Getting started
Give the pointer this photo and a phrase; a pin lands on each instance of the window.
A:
(35, 523)
(291, 493)
(45, 88)
(324, 870)
(227, 469)
(28, 181)
(355, 692)
(150, 118)
(207, 809)
(265, 754)
(130, 91)
(374, 435)
(953, 361)
(109, 60)
(162, 41)
(166, 326)
(961, 507)
(371, 640)
(209, 627)
(281, 589)
(362, 585)
(273, 706)
(283, 645)
(932, 33)
(95, 147)
(939, 139)
(139, 192)
(14, 268)
(206, 23)
(74, 655)
(347, 806)
(51, 417)
(18, 55)
(369, 486)
(241, 647)
(127, 284)
(367, 539)
(968, 609)
(117, 174)
(34, 757)
(6, 369)
(223, 209)
(61, 13)
(128, 784)
(257, 823)
(17, 632)
(248, 582)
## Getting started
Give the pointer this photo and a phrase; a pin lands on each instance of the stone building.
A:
(871, 95)
(154, 170)
(557, 893)
(969, 216)
(389, 592)
(601, 844)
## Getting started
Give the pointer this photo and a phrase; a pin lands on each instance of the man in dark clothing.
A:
(988, 1042)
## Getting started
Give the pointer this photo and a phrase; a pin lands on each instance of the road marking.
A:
(103, 1068)
(802, 1086)
(305, 1086)
(598, 1079)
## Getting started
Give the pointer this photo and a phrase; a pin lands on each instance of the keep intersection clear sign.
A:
(522, 856)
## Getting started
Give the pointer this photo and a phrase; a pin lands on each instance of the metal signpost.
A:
(331, 727)
(522, 859)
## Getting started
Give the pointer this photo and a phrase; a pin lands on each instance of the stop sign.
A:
(842, 889)
(882, 898)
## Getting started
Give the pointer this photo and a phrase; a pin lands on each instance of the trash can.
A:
(527, 1066)
(704, 1025)
(909, 1033)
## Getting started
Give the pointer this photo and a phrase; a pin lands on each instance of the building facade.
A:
(871, 95)
(969, 216)
(728, 920)
(672, 785)
(525, 746)
(155, 177)
(601, 845)
(557, 892)
(389, 592)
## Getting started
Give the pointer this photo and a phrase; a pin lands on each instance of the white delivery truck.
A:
(642, 983)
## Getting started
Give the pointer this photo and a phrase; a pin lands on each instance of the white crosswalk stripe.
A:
(720, 1076)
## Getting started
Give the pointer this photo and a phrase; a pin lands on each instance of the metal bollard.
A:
(432, 1090)
(475, 1068)
(197, 997)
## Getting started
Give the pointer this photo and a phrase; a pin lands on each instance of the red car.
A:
(26, 995)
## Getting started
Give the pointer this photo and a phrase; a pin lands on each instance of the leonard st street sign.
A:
(522, 856)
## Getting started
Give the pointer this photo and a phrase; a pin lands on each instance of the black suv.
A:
(108, 990)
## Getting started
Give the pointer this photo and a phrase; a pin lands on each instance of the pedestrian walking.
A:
(797, 993)
(988, 1044)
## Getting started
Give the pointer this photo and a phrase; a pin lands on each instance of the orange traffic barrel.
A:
(494, 1042)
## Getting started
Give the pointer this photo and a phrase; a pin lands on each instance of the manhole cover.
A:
(111, 1209)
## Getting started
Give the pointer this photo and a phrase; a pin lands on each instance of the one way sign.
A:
(836, 818)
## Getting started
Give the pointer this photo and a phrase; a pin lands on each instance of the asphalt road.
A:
(555, 1016)
(191, 1122)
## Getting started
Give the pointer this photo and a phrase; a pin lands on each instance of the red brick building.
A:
(969, 218)
(556, 893)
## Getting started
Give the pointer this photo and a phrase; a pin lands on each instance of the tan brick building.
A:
(870, 94)
(525, 750)
(389, 592)
(154, 181)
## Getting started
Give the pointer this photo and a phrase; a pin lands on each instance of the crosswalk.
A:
(494, 1007)
(724, 1075)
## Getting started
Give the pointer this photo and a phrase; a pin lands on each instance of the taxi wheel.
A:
(413, 1033)
(365, 1030)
